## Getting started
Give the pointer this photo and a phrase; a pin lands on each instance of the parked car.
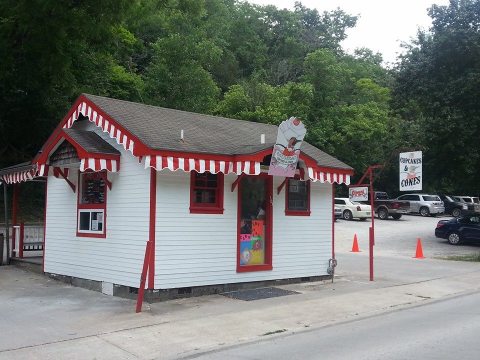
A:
(352, 209)
(471, 202)
(338, 213)
(385, 207)
(463, 229)
(424, 204)
(453, 206)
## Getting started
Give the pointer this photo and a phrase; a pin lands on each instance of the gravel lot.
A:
(398, 237)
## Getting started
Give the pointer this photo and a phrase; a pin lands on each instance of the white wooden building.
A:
(120, 174)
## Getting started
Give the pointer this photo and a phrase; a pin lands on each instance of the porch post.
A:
(16, 188)
(7, 237)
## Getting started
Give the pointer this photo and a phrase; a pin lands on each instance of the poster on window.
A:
(411, 171)
(286, 150)
(252, 244)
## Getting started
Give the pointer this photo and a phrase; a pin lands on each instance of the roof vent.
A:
(181, 135)
(262, 139)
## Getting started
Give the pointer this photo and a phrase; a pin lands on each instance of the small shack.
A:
(119, 174)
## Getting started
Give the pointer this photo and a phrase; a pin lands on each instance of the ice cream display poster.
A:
(252, 245)
(286, 150)
(411, 171)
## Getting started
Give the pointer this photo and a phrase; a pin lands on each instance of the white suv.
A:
(424, 204)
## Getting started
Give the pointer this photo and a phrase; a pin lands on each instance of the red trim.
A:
(281, 186)
(237, 180)
(143, 277)
(139, 147)
(45, 225)
(152, 227)
(269, 226)
(334, 170)
(80, 206)
(200, 208)
(288, 212)
(21, 240)
(64, 176)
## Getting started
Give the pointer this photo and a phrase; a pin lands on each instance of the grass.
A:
(470, 257)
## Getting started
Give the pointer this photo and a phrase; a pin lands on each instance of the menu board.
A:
(93, 189)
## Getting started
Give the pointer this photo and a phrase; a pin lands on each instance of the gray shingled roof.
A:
(91, 142)
(159, 128)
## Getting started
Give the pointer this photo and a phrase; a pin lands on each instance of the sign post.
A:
(364, 189)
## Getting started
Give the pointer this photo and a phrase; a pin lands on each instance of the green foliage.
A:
(436, 90)
(225, 57)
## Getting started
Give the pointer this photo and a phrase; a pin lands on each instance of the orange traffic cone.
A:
(355, 244)
(419, 252)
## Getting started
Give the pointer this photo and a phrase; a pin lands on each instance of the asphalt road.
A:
(439, 330)
(398, 237)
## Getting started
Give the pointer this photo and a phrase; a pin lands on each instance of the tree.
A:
(40, 42)
(436, 90)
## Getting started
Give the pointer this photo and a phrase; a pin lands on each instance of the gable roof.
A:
(90, 142)
(159, 129)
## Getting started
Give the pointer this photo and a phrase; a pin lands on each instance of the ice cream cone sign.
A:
(286, 150)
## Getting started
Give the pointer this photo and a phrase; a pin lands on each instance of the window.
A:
(92, 200)
(339, 202)
(206, 193)
(297, 201)
(409, 197)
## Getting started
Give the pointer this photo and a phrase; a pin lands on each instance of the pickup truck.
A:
(385, 207)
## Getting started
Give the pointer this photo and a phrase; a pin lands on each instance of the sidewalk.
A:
(44, 319)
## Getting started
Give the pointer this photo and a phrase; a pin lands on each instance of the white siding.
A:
(118, 258)
(200, 249)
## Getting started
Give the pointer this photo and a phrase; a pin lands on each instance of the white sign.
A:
(411, 171)
(359, 193)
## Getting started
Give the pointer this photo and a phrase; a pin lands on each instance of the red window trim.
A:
(269, 230)
(289, 212)
(217, 208)
(103, 207)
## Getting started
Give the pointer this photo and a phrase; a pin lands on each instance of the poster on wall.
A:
(411, 171)
(286, 150)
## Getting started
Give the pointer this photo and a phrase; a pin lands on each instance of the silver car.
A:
(472, 203)
(424, 204)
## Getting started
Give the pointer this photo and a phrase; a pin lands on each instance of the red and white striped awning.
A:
(328, 176)
(107, 126)
(17, 177)
(236, 167)
(99, 165)
(202, 165)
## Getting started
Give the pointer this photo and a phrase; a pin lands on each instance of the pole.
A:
(372, 228)
(14, 216)
(143, 276)
(7, 237)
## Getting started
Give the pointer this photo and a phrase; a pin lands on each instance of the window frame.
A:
(91, 208)
(289, 212)
(206, 208)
